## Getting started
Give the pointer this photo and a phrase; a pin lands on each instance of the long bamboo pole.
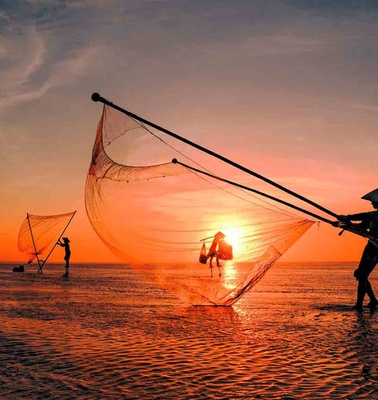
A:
(32, 236)
(344, 226)
(175, 161)
(96, 97)
(45, 260)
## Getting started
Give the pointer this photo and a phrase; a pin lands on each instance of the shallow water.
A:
(107, 334)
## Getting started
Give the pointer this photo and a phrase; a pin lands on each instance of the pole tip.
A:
(95, 97)
(174, 160)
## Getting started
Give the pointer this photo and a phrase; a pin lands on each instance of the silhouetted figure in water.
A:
(213, 251)
(369, 258)
(67, 252)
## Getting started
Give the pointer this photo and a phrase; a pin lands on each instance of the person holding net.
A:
(368, 221)
(67, 252)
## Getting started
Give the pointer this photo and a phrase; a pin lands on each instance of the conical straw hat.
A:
(371, 196)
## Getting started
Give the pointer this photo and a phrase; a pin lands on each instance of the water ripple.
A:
(118, 338)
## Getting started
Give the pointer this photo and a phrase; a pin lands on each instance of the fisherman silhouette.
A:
(67, 252)
(369, 258)
(213, 251)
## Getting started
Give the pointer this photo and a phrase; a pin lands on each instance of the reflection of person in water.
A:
(213, 251)
(362, 339)
(67, 252)
(369, 258)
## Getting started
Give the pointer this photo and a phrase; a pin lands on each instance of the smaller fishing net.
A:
(161, 218)
(38, 235)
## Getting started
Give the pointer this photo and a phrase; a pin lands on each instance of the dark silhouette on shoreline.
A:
(369, 259)
(67, 252)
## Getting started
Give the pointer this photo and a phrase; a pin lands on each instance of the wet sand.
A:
(107, 334)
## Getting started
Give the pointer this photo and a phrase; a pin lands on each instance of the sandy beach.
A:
(107, 334)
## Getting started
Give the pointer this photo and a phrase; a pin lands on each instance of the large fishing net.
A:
(39, 233)
(203, 239)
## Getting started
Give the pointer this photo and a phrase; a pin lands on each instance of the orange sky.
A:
(286, 89)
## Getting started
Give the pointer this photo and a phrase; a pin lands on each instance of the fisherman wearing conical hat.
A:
(369, 258)
(67, 252)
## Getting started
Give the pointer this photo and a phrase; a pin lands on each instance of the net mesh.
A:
(38, 234)
(159, 217)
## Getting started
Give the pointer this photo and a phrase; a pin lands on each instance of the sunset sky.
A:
(287, 88)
